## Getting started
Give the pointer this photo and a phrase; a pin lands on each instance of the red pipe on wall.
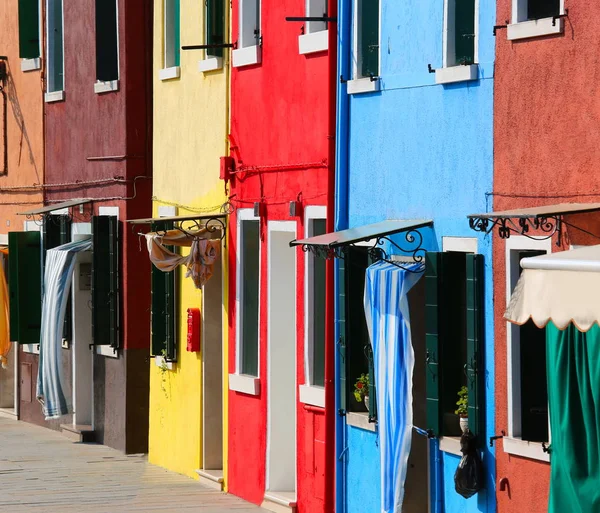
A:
(330, 412)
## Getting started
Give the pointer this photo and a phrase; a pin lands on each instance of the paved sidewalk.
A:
(42, 471)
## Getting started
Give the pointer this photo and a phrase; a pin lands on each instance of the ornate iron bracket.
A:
(506, 226)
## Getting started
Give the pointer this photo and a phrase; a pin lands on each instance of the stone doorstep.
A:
(211, 478)
(280, 502)
(78, 433)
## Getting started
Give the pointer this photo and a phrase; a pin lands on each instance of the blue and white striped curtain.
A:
(388, 321)
(52, 385)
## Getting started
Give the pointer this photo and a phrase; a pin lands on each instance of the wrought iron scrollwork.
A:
(549, 226)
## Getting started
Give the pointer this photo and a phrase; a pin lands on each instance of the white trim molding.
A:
(460, 244)
(246, 56)
(313, 395)
(455, 74)
(451, 445)
(108, 86)
(244, 384)
(54, 96)
(360, 420)
(210, 64)
(169, 73)
(518, 447)
(313, 42)
(363, 85)
(108, 351)
(522, 28)
(31, 64)
(31, 348)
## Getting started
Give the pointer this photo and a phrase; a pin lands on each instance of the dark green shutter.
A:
(25, 286)
(215, 25)
(538, 9)
(372, 386)
(368, 18)
(29, 29)
(464, 31)
(105, 281)
(250, 273)
(107, 54)
(176, 32)
(433, 369)
(163, 315)
(342, 299)
(475, 343)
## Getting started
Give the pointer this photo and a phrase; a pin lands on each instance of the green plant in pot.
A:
(361, 389)
(463, 408)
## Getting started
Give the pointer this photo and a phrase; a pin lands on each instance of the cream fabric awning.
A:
(560, 287)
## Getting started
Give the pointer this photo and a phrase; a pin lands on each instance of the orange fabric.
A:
(5, 345)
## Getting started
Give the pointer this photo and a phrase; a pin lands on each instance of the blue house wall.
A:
(417, 150)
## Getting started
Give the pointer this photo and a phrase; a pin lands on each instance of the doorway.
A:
(281, 361)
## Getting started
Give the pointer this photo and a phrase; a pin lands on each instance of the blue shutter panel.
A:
(433, 370)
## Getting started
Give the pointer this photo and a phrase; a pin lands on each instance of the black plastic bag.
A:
(468, 478)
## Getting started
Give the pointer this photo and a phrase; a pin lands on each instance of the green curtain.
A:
(573, 364)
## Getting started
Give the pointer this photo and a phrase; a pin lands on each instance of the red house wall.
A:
(546, 151)
(279, 117)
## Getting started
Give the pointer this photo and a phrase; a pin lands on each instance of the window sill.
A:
(312, 395)
(158, 361)
(246, 56)
(54, 96)
(363, 85)
(534, 28)
(30, 64)
(455, 74)
(106, 87)
(314, 42)
(244, 384)
(107, 351)
(169, 73)
(518, 447)
(361, 421)
(210, 64)
(31, 348)
(451, 445)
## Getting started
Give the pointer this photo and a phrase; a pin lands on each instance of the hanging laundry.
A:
(5, 344)
(52, 385)
(203, 254)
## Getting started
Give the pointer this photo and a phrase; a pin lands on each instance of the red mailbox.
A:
(193, 335)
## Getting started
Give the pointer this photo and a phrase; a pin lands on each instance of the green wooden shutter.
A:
(176, 32)
(25, 286)
(475, 343)
(368, 20)
(342, 300)
(538, 9)
(215, 26)
(433, 370)
(105, 281)
(107, 53)
(164, 315)
(372, 386)
(464, 31)
(29, 29)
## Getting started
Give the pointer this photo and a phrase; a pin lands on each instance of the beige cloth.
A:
(200, 261)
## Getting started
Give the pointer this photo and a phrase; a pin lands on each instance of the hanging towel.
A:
(52, 384)
(5, 344)
(200, 261)
(388, 321)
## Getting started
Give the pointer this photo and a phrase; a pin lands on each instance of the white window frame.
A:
(169, 70)
(360, 84)
(54, 95)
(108, 86)
(210, 62)
(310, 393)
(452, 72)
(315, 37)
(513, 443)
(32, 226)
(35, 63)
(246, 54)
(521, 28)
(242, 382)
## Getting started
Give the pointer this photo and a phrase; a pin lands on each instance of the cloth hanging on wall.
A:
(200, 260)
(388, 321)
(573, 373)
(53, 386)
(5, 345)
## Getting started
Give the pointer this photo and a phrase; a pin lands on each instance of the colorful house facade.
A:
(188, 403)
(281, 139)
(414, 156)
(97, 174)
(21, 160)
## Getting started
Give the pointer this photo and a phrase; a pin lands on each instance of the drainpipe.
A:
(341, 222)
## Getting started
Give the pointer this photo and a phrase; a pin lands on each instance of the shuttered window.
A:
(57, 231)
(464, 31)
(318, 310)
(454, 339)
(107, 47)
(249, 23)
(215, 26)
(105, 281)
(55, 64)
(317, 9)
(25, 286)
(29, 29)
(172, 33)
(367, 46)
(248, 287)
(164, 312)
(537, 9)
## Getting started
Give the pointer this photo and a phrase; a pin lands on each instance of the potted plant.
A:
(361, 389)
(463, 408)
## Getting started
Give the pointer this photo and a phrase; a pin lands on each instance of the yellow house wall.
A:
(190, 134)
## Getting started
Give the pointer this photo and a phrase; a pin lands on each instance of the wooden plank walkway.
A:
(43, 471)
